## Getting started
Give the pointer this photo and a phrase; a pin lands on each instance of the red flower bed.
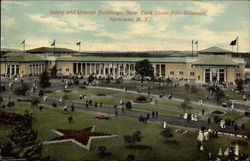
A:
(81, 136)
(102, 117)
(218, 112)
(8, 117)
(239, 142)
(180, 131)
(141, 98)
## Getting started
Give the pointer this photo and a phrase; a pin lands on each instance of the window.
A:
(199, 77)
(191, 73)
(221, 74)
(207, 75)
(237, 74)
(180, 72)
(67, 69)
(60, 69)
(171, 72)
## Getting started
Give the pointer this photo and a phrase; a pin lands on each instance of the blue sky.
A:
(32, 21)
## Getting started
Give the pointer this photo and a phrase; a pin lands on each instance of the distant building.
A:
(211, 65)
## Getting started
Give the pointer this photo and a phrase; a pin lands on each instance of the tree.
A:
(76, 81)
(35, 101)
(128, 105)
(132, 139)
(239, 85)
(185, 104)
(144, 68)
(21, 90)
(53, 72)
(41, 93)
(219, 94)
(167, 133)
(101, 150)
(22, 141)
(91, 78)
(44, 80)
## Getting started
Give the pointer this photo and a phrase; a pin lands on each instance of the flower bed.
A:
(141, 99)
(10, 118)
(180, 131)
(239, 142)
(101, 94)
(102, 117)
(217, 112)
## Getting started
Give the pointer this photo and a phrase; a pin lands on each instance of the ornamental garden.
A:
(51, 118)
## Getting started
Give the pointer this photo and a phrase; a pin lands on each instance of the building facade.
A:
(212, 65)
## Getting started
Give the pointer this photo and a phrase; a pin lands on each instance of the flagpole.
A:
(197, 46)
(237, 44)
(192, 47)
(24, 47)
(79, 47)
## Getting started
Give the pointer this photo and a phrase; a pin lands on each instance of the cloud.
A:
(67, 24)
(121, 5)
(47, 20)
(8, 21)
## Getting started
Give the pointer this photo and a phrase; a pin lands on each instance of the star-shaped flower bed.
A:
(81, 138)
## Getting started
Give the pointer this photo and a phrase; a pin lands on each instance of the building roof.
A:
(214, 61)
(123, 59)
(50, 50)
(214, 49)
(22, 57)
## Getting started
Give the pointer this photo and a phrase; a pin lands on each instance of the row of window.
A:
(181, 73)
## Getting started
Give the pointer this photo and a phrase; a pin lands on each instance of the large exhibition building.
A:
(210, 65)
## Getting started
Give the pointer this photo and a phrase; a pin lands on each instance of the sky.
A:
(34, 22)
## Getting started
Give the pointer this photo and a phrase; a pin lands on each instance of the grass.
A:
(151, 108)
(126, 95)
(233, 115)
(247, 123)
(151, 147)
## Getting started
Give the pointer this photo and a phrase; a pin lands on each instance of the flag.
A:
(23, 42)
(234, 41)
(196, 42)
(79, 43)
(54, 43)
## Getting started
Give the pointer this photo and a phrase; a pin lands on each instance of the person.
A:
(148, 115)
(115, 105)
(116, 113)
(100, 104)
(156, 114)
(203, 111)
(153, 114)
(72, 107)
(65, 108)
(156, 102)
(209, 120)
(122, 109)
(243, 126)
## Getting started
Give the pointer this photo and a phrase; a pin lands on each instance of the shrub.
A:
(130, 157)
(193, 89)
(65, 97)
(41, 108)
(76, 81)
(131, 139)
(1, 99)
(128, 105)
(10, 104)
(166, 133)
(101, 150)
(70, 119)
(41, 93)
(21, 90)
(54, 104)
(35, 101)
(141, 98)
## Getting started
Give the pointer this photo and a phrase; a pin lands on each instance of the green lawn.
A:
(126, 95)
(151, 108)
(247, 123)
(151, 147)
(233, 115)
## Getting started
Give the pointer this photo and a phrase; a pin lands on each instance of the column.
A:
(218, 75)
(85, 68)
(160, 70)
(154, 66)
(118, 70)
(76, 68)
(113, 69)
(210, 75)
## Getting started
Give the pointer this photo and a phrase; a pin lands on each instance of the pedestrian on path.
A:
(209, 120)
(203, 111)
(153, 114)
(100, 104)
(116, 113)
(156, 114)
